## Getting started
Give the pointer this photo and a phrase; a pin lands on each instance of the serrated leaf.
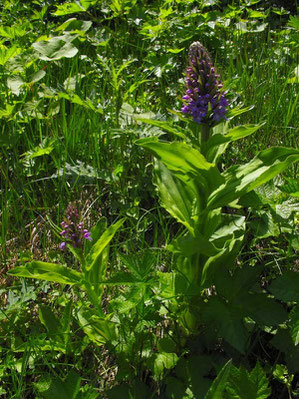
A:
(139, 265)
(63, 389)
(294, 22)
(122, 278)
(262, 309)
(285, 287)
(72, 8)
(7, 53)
(229, 322)
(291, 188)
(246, 385)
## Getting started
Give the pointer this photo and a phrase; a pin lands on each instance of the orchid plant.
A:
(204, 287)
(208, 202)
(90, 249)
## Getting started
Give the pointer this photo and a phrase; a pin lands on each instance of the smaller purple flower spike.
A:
(73, 229)
(204, 100)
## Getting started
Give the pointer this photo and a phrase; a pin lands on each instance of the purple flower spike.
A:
(204, 100)
(73, 229)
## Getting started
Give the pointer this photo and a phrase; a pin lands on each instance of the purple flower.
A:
(62, 245)
(73, 231)
(203, 100)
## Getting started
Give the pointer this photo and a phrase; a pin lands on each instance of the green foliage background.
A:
(80, 83)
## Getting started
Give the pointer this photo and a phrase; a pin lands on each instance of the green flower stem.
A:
(205, 132)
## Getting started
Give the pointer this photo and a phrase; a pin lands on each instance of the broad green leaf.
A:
(100, 245)
(294, 324)
(219, 384)
(175, 388)
(245, 385)
(232, 286)
(228, 320)
(49, 272)
(7, 53)
(224, 259)
(74, 25)
(189, 245)
(214, 147)
(176, 197)
(96, 231)
(239, 180)
(264, 310)
(284, 343)
(285, 287)
(50, 321)
(161, 124)
(72, 8)
(166, 344)
(196, 370)
(292, 188)
(231, 226)
(180, 158)
(37, 76)
(14, 83)
(99, 330)
(54, 49)
(162, 361)
(63, 389)
(188, 165)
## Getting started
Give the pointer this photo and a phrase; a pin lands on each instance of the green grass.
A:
(70, 137)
